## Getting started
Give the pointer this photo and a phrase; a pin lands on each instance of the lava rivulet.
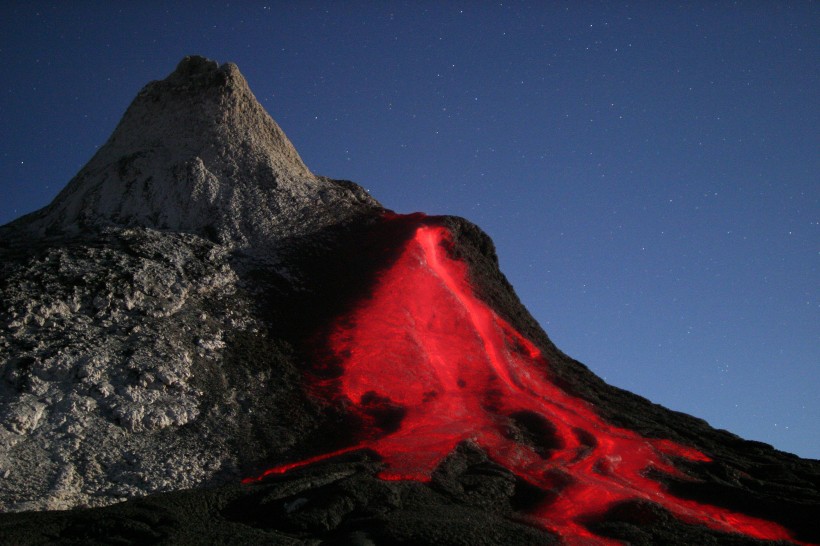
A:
(426, 351)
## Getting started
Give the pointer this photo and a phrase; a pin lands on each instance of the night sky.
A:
(648, 171)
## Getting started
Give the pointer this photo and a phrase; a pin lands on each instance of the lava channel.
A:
(425, 344)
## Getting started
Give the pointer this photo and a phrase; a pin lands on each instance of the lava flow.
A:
(424, 349)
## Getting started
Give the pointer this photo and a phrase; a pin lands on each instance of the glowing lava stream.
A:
(425, 346)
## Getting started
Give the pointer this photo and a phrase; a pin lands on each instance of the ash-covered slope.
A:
(376, 370)
(196, 152)
(128, 302)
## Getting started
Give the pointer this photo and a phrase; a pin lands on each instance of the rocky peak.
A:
(197, 152)
(205, 109)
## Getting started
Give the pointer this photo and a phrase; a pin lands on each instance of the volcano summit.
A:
(196, 152)
(202, 341)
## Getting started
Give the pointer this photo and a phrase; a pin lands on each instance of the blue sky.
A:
(648, 171)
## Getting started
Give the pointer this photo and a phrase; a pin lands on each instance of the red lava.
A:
(424, 343)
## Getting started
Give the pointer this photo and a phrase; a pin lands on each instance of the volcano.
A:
(204, 342)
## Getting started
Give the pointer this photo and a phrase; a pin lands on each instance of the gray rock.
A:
(116, 300)
(196, 152)
(97, 358)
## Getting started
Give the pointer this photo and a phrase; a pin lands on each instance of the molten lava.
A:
(430, 365)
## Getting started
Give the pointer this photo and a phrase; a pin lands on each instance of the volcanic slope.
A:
(197, 309)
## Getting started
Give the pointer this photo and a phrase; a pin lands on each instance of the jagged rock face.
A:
(123, 308)
(98, 353)
(196, 152)
(178, 333)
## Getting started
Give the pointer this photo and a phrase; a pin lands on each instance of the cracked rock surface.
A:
(98, 351)
(122, 311)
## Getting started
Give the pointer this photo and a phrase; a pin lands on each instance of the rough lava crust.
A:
(427, 365)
